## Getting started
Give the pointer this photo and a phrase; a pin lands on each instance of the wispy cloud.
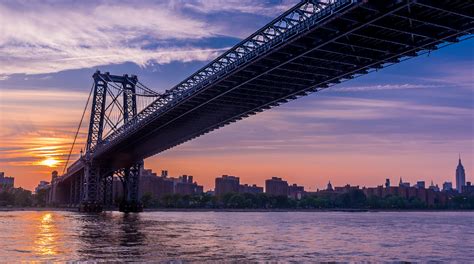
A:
(381, 87)
(240, 6)
(460, 74)
(39, 38)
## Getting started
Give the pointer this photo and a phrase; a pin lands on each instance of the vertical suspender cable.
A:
(78, 128)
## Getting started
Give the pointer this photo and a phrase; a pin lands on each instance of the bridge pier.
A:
(77, 188)
(131, 199)
(90, 202)
(71, 192)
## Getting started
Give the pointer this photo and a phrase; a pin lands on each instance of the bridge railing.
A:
(300, 18)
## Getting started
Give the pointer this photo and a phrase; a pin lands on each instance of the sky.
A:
(410, 120)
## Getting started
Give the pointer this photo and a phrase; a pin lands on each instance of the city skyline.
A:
(167, 190)
(407, 121)
(243, 131)
(444, 185)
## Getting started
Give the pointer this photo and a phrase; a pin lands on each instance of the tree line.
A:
(353, 199)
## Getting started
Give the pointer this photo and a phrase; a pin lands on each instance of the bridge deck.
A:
(348, 40)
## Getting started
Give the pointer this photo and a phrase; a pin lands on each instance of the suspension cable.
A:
(78, 128)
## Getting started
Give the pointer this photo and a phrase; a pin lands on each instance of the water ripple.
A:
(237, 236)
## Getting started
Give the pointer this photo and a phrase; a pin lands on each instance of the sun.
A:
(50, 162)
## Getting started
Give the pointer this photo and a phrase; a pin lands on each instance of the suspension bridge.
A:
(310, 47)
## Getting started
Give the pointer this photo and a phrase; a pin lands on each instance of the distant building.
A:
(329, 187)
(403, 184)
(276, 187)
(387, 183)
(447, 186)
(460, 176)
(245, 188)
(160, 186)
(227, 184)
(468, 189)
(184, 185)
(434, 187)
(43, 185)
(346, 188)
(6, 183)
(430, 197)
(374, 191)
(295, 191)
(420, 185)
(151, 183)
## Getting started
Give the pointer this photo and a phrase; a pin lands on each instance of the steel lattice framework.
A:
(109, 113)
(292, 22)
(353, 51)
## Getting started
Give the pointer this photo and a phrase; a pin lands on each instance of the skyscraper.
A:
(460, 176)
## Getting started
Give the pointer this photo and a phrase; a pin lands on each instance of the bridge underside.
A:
(365, 36)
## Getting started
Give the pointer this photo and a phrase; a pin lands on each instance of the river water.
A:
(237, 236)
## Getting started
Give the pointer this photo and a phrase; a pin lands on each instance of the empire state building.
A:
(460, 176)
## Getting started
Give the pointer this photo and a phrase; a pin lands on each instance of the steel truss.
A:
(98, 176)
(341, 50)
(295, 20)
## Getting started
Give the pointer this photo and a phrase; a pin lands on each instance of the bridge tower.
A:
(98, 174)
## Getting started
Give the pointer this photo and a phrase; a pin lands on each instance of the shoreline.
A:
(229, 210)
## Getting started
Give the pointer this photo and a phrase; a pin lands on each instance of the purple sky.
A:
(410, 120)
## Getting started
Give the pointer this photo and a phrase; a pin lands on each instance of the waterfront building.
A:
(403, 191)
(157, 186)
(329, 187)
(403, 184)
(346, 188)
(460, 176)
(295, 191)
(387, 183)
(227, 184)
(468, 189)
(43, 185)
(434, 187)
(420, 185)
(276, 187)
(447, 186)
(160, 186)
(184, 185)
(430, 197)
(6, 183)
(246, 188)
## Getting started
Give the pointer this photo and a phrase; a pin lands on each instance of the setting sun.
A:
(50, 162)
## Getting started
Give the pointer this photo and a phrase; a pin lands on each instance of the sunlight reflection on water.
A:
(233, 236)
(45, 238)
